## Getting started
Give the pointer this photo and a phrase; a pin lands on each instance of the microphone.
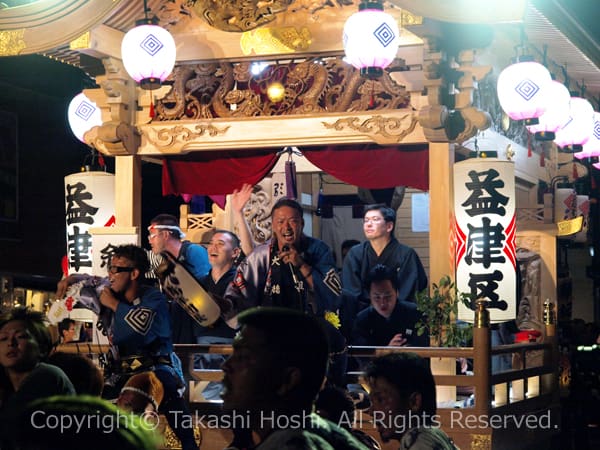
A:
(286, 248)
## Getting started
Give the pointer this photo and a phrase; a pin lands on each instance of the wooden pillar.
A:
(482, 359)
(441, 210)
(128, 192)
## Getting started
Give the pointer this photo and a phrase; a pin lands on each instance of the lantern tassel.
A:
(542, 159)
(529, 151)
(372, 98)
(152, 113)
(575, 174)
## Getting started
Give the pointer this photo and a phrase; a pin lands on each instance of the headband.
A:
(168, 227)
(142, 393)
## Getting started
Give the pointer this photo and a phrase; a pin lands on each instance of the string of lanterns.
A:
(527, 92)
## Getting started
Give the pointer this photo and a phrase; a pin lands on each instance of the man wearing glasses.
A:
(381, 247)
(141, 333)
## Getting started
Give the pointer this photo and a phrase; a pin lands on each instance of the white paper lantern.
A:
(148, 53)
(592, 147)
(523, 90)
(83, 114)
(578, 128)
(556, 115)
(89, 203)
(485, 227)
(371, 38)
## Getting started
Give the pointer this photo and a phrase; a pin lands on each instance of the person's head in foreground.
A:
(402, 392)
(24, 341)
(278, 364)
(142, 393)
(76, 422)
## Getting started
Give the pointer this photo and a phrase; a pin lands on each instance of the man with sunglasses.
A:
(141, 334)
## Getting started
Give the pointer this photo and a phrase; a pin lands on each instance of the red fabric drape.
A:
(214, 173)
(366, 166)
(374, 167)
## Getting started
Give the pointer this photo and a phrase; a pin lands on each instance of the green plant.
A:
(439, 312)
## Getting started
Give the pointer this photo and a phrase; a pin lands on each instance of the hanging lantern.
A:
(484, 231)
(371, 38)
(592, 147)
(556, 115)
(578, 129)
(148, 52)
(523, 90)
(83, 114)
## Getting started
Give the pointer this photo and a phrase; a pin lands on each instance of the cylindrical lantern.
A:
(578, 129)
(592, 147)
(83, 115)
(485, 226)
(371, 38)
(89, 202)
(565, 204)
(148, 53)
(583, 209)
(523, 90)
(556, 115)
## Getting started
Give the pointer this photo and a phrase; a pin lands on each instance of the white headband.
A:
(168, 227)
(143, 394)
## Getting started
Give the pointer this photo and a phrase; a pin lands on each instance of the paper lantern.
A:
(523, 91)
(556, 115)
(485, 227)
(83, 114)
(148, 53)
(371, 38)
(89, 202)
(578, 129)
(592, 147)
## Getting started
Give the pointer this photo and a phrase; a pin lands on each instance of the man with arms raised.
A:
(291, 270)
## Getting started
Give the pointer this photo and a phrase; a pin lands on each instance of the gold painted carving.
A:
(238, 15)
(481, 441)
(383, 129)
(276, 40)
(408, 18)
(11, 42)
(228, 89)
(167, 137)
(82, 42)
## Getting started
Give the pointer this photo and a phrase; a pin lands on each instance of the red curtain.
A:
(214, 173)
(366, 166)
(374, 167)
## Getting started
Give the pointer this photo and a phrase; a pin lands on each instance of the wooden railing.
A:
(512, 409)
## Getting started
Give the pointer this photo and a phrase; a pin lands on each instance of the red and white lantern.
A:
(485, 227)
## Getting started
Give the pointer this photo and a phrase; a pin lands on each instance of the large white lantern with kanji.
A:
(89, 202)
(485, 226)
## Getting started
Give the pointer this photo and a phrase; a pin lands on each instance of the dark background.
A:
(37, 90)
